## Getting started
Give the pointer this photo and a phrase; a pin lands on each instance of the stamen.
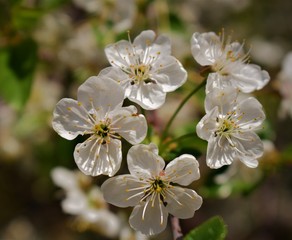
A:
(144, 209)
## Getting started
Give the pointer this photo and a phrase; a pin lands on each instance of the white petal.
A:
(120, 54)
(130, 125)
(123, 191)
(216, 80)
(249, 113)
(117, 75)
(75, 203)
(182, 202)
(249, 78)
(183, 170)
(104, 221)
(94, 158)
(149, 219)
(219, 152)
(205, 48)
(64, 178)
(147, 40)
(223, 98)
(148, 95)
(250, 162)
(70, 119)
(98, 93)
(249, 147)
(144, 162)
(208, 125)
(168, 73)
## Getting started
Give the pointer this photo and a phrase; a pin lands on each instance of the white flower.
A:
(148, 71)
(99, 114)
(118, 14)
(85, 201)
(228, 62)
(152, 190)
(229, 126)
(285, 86)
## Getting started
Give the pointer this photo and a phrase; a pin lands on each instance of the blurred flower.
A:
(285, 86)
(11, 146)
(119, 13)
(99, 113)
(16, 129)
(85, 201)
(235, 4)
(52, 31)
(229, 126)
(152, 190)
(147, 70)
(266, 52)
(81, 49)
(228, 62)
(126, 232)
(19, 229)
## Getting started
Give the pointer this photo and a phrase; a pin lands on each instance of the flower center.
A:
(226, 126)
(230, 55)
(158, 185)
(139, 73)
(103, 131)
(226, 62)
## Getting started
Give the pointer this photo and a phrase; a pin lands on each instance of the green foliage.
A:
(213, 229)
(17, 64)
(25, 18)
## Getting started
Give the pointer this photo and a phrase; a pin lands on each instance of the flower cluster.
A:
(144, 71)
(85, 201)
(231, 117)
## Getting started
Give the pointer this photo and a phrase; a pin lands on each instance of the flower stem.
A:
(176, 229)
(148, 137)
(181, 138)
(165, 132)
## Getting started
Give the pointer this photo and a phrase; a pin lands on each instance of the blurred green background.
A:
(49, 47)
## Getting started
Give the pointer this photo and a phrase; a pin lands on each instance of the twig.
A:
(176, 229)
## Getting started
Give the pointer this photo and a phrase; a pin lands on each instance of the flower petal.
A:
(147, 41)
(182, 202)
(70, 119)
(149, 218)
(75, 202)
(168, 73)
(64, 178)
(129, 124)
(104, 221)
(144, 162)
(120, 54)
(94, 158)
(224, 98)
(249, 147)
(250, 77)
(215, 80)
(99, 92)
(219, 152)
(250, 114)
(148, 95)
(123, 190)
(117, 75)
(208, 125)
(183, 170)
(206, 48)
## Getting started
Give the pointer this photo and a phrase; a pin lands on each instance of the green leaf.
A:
(213, 229)
(17, 65)
(25, 19)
